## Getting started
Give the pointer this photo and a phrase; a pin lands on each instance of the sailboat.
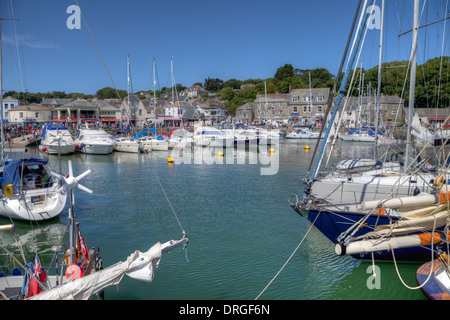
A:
(127, 143)
(334, 200)
(425, 224)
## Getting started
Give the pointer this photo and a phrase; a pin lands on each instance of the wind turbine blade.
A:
(84, 188)
(56, 175)
(70, 168)
(83, 175)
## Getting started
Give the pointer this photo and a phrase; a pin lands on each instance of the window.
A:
(394, 111)
(307, 109)
(319, 109)
(140, 112)
(295, 109)
(281, 112)
(295, 99)
(36, 115)
(21, 115)
(320, 98)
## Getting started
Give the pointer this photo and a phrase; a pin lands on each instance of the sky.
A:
(240, 39)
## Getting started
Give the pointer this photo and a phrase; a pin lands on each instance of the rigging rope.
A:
(288, 258)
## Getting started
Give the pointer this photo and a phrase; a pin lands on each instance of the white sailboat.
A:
(127, 143)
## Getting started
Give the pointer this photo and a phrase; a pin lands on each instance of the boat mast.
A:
(154, 91)
(412, 81)
(377, 112)
(310, 103)
(342, 87)
(1, 96)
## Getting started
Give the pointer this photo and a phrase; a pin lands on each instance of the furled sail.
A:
(139, 265)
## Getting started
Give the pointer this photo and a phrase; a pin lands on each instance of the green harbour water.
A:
(240, 226)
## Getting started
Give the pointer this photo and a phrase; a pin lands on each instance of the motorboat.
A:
(56, 139)
(303, 134)
(206, 136)
(92, 139)
(126, 144)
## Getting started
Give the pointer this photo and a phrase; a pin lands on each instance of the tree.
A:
(213, 85)
(110, 93)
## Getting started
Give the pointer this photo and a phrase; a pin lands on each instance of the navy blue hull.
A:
(332, 225)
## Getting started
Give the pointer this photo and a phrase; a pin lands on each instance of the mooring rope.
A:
(288, 258)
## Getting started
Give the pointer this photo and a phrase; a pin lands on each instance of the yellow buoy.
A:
(306, 147)
(170, 160)
(220, 154)
(271, 150)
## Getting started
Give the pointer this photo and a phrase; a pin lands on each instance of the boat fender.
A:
(74, 272)
(438, 181)
(170, 160)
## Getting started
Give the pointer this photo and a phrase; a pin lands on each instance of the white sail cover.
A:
(138, 265)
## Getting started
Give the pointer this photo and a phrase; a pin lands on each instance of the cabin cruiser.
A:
(92, 139)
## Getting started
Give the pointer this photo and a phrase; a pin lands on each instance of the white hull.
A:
(159, 145)
(128, 145)
(357, 137)
(40, 204)
(58, 149)
(303, 135)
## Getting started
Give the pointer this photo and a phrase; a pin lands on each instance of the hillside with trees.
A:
(432, 85)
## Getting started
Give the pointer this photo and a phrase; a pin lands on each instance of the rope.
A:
(288, 258)
(168, 200)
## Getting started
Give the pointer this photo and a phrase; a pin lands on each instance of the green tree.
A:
(213, 85)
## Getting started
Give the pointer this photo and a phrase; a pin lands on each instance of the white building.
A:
(8, 104)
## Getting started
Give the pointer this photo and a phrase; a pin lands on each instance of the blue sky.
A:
(242, 39)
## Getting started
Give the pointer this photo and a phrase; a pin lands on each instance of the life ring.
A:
(438, 181)
(73, 272)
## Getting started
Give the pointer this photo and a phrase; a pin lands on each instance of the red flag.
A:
(82, 246)
(38, 273)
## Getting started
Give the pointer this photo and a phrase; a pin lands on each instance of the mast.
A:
(412, 82)
(1, 96)
(128, 88)
(310, 103)
(342, 87)
(377, 112)
(154, 91)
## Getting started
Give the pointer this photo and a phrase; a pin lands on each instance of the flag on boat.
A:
(39, 273)
(83, 246)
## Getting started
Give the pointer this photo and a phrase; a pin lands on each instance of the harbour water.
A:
(240, 227)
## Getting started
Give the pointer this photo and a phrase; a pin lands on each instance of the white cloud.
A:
(30, 41)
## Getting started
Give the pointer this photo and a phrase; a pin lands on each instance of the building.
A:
(76, 110)
(211, 112)
(9, 103)
(195, 91)
(33, 113)
(271, 107)
(308, 106)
